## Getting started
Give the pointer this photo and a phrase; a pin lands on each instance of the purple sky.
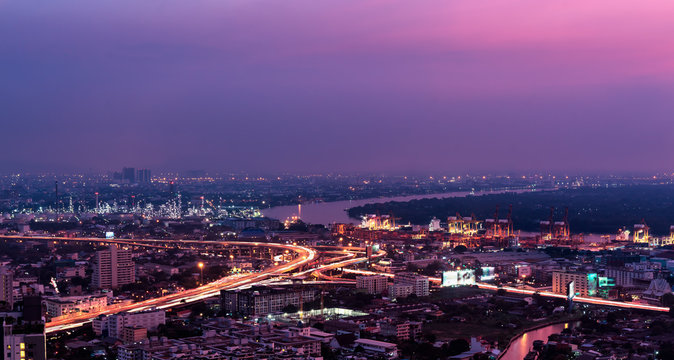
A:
(270, 86)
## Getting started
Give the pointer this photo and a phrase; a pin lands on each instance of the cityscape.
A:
(328, 180)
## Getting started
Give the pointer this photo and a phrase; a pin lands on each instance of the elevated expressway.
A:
(579, 299)
(303, 256)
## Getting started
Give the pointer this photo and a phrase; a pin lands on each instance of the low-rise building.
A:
(133, 334)
(375, 284)
(418, 282)
(262, 300)
(400, 290)
(113, 325)
(59, 306)
(630, 276)
(387, 349)
(583, 284)
(407, 330)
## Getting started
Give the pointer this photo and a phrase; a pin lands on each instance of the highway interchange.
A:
(298, 268)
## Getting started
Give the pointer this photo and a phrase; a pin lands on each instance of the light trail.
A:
(305, 255)
(366, 272)
(342, 264)
(580, 299)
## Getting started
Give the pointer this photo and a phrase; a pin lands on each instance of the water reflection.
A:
(522, 345)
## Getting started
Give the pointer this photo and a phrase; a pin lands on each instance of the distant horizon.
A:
(437, 174)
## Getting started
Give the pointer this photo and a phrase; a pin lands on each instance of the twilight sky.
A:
(397, 86)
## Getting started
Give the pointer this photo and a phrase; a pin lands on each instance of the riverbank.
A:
(590, 210)
(336, 211)
(505, 355)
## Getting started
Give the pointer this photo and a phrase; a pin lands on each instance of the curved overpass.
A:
(305, 255)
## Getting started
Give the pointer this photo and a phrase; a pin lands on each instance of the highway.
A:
(579, 299)
(304, 256)
(337, 263)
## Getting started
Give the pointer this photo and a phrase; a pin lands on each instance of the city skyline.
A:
(338, 180)
(322, 87)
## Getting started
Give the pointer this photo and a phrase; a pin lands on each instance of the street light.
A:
(201, 267)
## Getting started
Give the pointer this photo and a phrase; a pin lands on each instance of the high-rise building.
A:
(6, 287)
(143, 176)
(112, 268)
(22, 338)
(129, 174)
(24, 342)
(375, 284)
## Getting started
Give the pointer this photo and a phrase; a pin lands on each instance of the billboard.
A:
(458, 277)
(592, 282)
(109, 235)
(523, 271)
(571, 290)
(488, 273)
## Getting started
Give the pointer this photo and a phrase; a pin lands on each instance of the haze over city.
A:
(336, 180)
(306, 86)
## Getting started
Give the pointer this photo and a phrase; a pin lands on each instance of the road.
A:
(304, 256)
(579, 299)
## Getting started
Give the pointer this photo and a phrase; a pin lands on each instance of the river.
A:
(521, 346)
(335, 212)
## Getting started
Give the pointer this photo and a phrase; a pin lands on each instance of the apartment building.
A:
(584, 284)
(112, 268)
(418, 282)
(375, 284)
(114, 324)
(262, 300)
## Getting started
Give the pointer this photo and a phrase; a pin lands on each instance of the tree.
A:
(327, 353)
(666, 351)
(460, 249)
(432, 268)
(538, 298)
(458, 346)
(80, 281)
(427, 351)
(668, 299)
(298, 225)
(430, 337)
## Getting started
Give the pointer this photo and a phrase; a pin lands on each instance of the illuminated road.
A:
(579, 299)
(342, 264)
(366, 272)
(305, 255)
